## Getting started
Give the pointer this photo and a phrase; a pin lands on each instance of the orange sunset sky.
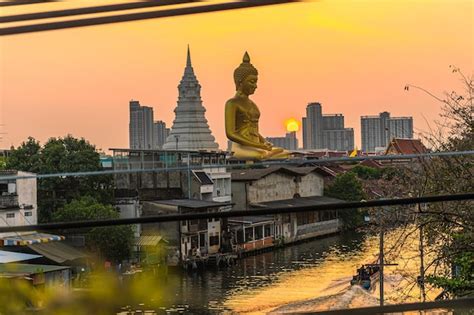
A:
(354, 57)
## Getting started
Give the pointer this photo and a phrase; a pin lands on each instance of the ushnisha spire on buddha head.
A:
(244, 70)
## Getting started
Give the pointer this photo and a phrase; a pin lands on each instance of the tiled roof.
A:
(406, 146)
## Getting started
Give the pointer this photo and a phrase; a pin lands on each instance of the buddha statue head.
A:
(246, 76)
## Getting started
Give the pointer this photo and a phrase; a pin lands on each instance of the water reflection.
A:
(267, 280)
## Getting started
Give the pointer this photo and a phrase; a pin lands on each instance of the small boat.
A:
(366, 276)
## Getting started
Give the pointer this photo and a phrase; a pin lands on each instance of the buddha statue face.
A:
(248, 85)
(246, 76)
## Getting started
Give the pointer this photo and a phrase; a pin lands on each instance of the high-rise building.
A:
(190, 130)
(160, 133)
(377, 131)
(289, 141)
(140, 126)
(325, 131)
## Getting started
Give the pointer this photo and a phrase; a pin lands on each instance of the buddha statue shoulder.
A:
(242, 116)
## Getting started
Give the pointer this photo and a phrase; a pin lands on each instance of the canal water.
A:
(261, 283)
(309, 276)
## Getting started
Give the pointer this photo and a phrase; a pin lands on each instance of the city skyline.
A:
(67, 87)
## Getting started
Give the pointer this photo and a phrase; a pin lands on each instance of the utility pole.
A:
(421, 281)
(381, 263)
(381, 253)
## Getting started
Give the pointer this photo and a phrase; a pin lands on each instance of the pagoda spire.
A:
(189, 66)
(188, 59)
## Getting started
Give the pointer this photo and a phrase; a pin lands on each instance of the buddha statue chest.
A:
(247, 117)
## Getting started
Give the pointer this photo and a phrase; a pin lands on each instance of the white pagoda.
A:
(190, 131)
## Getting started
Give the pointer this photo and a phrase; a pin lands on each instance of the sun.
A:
(292, 125)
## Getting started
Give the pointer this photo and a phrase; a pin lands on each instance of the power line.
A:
(240, 166)
(91, 10)
(23, 2)
(14, 30)
(239, 213)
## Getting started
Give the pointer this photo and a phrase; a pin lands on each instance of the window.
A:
(202, 224)
(248, 234)
(10, 215)
(202, 240)
(184, 223)
(214, 240)
(305, 218)
(3, 188)
(28, 214)
(268, 230)
(328, 215)
(240, 236)
(259, 232)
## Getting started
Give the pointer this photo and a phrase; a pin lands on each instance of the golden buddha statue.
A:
(241, 119)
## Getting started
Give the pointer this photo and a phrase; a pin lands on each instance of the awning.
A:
(9, 257)
(149, 240)
(58, 251)
(29, 238)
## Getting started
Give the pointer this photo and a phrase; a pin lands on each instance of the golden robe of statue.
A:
(241, 119)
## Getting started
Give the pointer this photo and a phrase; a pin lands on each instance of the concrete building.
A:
(280, 187)
(325, 131)
(160, 133)
(339, 139)
(189, 235)
(206, 186)
(18, 201)
(377, 131)
(140, 126)
(158, 184)
(289, 141)
(190, 130)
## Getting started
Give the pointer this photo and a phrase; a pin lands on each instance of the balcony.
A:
(8, 201)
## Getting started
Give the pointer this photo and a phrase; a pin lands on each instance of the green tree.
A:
(26, 157)
(112, 243)
(3, 162)
(349, 188)
(366, 172)
(62, 155)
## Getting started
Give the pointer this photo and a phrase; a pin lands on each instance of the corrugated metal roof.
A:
(9, 257)
(28, 268)
(191, 203)
(58, 251)
(22, 239)
(296, 202)
(253, 219)
(258, 173)
(149, 240)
